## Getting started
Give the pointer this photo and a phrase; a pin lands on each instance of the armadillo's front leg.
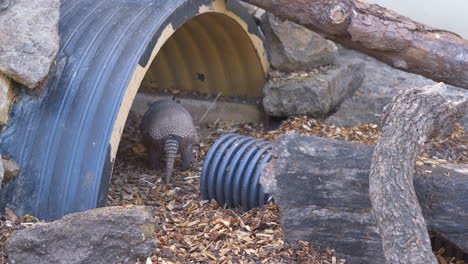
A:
(187, 156)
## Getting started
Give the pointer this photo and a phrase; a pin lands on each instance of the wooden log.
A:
(413, 116)
(327, 201)
(381, 33)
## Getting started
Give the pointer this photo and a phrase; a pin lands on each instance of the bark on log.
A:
(327, 201)
(381, 33)
(408, 121)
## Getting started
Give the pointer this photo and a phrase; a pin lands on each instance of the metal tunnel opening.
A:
(209, 54)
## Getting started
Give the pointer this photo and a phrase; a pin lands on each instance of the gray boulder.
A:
(29, 39)
(316, 95)
(380, 84)
(293, 47)
(321, 187)
(104, 235)
(359, 110)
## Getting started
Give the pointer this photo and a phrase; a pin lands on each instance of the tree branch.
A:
(381, 33)
(409, 120)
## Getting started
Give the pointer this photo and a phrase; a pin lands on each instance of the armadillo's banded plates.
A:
(167, 117)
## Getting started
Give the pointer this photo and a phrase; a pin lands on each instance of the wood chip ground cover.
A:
(195, 231)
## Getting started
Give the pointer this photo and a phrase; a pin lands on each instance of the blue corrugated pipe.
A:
(231, 172)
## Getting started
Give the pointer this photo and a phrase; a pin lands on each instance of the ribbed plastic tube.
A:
(231, 172)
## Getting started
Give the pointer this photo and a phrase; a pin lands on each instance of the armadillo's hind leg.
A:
(187, 156)
(155, 151)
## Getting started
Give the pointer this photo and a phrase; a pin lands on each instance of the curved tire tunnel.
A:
(65, 139)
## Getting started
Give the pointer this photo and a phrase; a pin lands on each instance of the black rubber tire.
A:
(61, 139)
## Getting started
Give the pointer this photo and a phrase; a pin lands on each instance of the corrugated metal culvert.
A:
(65, 140)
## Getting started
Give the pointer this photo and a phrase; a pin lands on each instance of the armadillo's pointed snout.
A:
(171, 146)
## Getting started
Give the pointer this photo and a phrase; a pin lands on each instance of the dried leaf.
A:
(29, 218)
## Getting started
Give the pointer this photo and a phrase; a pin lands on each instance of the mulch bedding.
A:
(194, 231)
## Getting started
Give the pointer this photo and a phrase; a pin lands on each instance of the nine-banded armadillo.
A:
(166, 128)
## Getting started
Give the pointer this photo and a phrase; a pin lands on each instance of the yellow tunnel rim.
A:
(216, 7)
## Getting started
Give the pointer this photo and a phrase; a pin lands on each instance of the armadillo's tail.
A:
(171, 146)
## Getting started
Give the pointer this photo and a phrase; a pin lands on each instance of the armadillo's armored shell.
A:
(165, 118)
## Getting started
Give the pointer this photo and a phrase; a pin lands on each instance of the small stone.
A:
(316, 95)
(256, 12)
(294, 47)
(6, 95)
(29, 39)
(168, 253)
(10, 167)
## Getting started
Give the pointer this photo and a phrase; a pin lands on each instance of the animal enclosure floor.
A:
(195, 231)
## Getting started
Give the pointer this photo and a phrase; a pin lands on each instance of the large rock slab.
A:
(380, 84)
(6, 95)
(321, 187)
(316, 95)
(356, 110)
(29, 39)
(293, 47)
(104, 235)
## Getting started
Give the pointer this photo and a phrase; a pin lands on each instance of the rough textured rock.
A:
(10, 168)
(316, 95)
(294, 47)
(4, 4)
(380, 84)
(256, 12)
(104, 235)
(356, 110)
(29, 39)
(332, 206)
(327, 202)
(6, 95)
